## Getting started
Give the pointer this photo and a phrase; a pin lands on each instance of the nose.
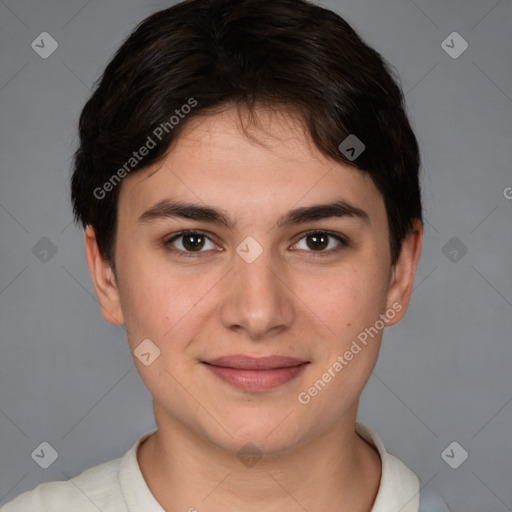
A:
(257, 301)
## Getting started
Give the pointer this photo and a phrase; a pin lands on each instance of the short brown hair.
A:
(246, 53)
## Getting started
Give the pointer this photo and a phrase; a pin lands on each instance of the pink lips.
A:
(255, 374)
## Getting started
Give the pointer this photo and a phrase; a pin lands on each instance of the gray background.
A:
(66, 376)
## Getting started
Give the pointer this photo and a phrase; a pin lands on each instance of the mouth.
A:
(255, 374)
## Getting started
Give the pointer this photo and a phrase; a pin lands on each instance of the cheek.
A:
(157, 303)
(350, 305)
(145, 296)
(350, 299)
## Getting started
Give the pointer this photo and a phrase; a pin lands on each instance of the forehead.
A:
(265, 163)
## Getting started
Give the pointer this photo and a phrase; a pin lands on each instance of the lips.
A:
(255, 374)
(242, 362)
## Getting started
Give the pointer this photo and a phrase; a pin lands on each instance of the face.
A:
(281, 253)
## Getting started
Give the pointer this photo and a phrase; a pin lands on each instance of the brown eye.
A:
(189, 243)
(193, 241)
(319, 241)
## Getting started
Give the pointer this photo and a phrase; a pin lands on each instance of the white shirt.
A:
(118, 486)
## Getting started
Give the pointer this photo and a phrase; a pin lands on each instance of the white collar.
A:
(399, 487)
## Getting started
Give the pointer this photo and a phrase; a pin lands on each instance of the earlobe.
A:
(103, 279)
(402, 275)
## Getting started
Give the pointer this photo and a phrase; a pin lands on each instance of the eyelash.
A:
(188, 254)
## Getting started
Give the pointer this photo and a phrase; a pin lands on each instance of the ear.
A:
(402, 274)
(103, 279)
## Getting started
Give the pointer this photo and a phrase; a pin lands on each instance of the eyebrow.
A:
(177, 209)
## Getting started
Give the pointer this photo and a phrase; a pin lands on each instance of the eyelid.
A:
(338, 236)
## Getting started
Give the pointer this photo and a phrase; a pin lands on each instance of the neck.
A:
(338, 472)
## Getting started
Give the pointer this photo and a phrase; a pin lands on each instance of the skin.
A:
(291, 300)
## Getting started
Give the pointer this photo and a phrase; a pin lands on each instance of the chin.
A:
(267, 436)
